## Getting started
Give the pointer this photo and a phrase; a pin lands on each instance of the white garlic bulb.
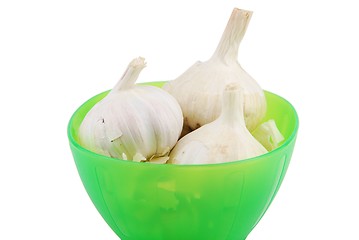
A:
(223, 140)
(199, 89)
(133, 122)
(268, 135)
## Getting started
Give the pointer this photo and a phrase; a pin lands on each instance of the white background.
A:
(54, 55)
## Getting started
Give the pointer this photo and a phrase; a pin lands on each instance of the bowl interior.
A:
(218, 201)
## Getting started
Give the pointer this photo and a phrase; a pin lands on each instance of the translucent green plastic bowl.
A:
(144, 201)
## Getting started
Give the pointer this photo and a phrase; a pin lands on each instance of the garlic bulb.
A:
(133, 122)
(223, 140)
(199, 89)
(268, 135)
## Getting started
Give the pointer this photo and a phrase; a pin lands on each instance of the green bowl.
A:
(146, 201)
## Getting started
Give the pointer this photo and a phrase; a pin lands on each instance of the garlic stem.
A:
(232, 105)
(227, 49)
(131, 74)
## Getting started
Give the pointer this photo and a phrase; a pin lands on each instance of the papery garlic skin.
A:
(133, 122)
(225, 139)
(268, 135)
(199, 89)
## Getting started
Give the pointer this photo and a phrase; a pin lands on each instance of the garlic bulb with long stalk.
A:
(223, 140)
(133, 122)
(199, 89)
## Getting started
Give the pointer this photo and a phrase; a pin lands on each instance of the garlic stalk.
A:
(223, 140)
(199, 89)
(268, 135)
(133, 122)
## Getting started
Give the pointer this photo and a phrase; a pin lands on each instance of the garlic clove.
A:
(159, 160)
(190, 152)
(223, 140)
(200, 88)
(124, 157)
(268, 135)
(138, 157)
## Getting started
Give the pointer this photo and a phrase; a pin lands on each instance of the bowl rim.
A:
(74, 143)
